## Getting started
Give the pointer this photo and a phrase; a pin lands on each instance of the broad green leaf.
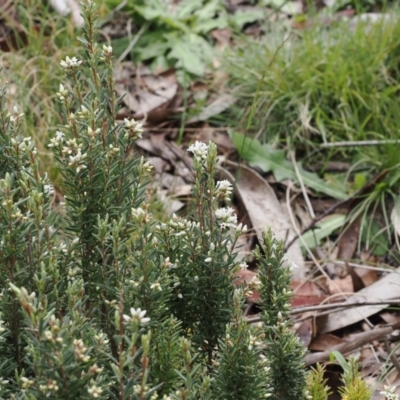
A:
(187, 58)
(209, 10)
(192, 52)
(242, 17)
(208, 25)
(287, 7)
(175, 23)
(313, 238)
(272, 160)
(150, 12)
(186, 8)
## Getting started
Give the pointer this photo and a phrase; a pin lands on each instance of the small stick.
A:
(332, 307)
(360, 143)
(345, 348)
(300, 310)
(303, 188)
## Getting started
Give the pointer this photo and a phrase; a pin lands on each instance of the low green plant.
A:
(100, 300)
(354, 388)
(177, 35)
(32, 70)
(316, 383)
(325, 85)
(283, 349)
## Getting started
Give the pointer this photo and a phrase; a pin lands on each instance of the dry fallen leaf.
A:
(147, 95)
(265, 211)
(387, 288)
(306, 294)
(324, 341)
(219, 105)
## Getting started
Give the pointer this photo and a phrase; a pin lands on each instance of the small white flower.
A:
(156, 286)
(59, 136)
(241, 229)
(180, 295)
(390, 393)
(243, 266)
(225, 217)
(107, 51)
(139, 315)
(80, 167)
(293, 266)
(208, 259)
(224, 213)
(76, 158)
(199, 149)
(3, 382)
(48, 189)
(223, 189)
(95, 391)
(62, 92)
(224, 185)
(27, 383)
(70, 63)
(134, 127)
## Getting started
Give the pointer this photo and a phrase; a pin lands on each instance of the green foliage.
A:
(283, 349)
(316, 384)
(355, 388)
(242, 368)
(176, 33)
(99, 300)
(325, 85)
(344, 90)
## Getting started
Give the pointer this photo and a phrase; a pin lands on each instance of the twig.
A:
(133, 42)
(300, 310)
(331, 307)
(362, 266)
(303, 189)
(360, 143)
(345, 348)
(170, 129)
